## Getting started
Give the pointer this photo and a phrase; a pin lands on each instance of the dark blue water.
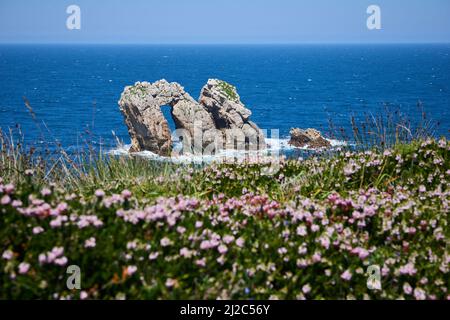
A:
(74, 88)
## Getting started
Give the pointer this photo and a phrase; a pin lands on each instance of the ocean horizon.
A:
(74, 89)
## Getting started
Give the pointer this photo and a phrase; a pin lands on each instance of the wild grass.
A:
(143, 229)
(386, 129)
(90, 168)
(225, 231)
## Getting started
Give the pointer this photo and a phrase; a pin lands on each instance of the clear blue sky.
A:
(224, 21)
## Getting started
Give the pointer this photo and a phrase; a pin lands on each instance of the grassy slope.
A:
(308, 231)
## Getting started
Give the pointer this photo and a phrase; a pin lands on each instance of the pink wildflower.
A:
(131, 245)
(153, 255)
(90, 243)
(165, 242)
(131, 270)
(407, 288)
(61, 261)
(37, 230)
(126, 194)
(301, 231)
(198, 224)
(420, 294)
(240, 242)
(201, 262)
(206, 244)
(83, 295)
(171, 283)
(46, 192)
(24, 267)
(306, 289)
(408, 269)
(9, 188)
(222, 249)
(347, 275)
(361, 252)
(5, 200)
(99, 193)
(185, 252)
(42, 258)
(17, 203)
(62, 207)
(181, 229)
(228, 239)
(8, 255)
(317, 257)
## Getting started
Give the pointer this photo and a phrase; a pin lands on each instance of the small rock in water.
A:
(308, 138)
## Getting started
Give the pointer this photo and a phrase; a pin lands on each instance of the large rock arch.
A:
(207, 124)
(148, 128)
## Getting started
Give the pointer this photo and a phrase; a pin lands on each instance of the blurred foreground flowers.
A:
(227, 231)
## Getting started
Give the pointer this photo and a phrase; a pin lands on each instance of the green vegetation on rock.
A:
(229, 90)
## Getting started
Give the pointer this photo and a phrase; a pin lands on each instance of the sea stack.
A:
(230, 115)
(310, 138)
(218, 121)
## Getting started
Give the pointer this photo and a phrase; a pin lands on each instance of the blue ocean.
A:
(74, 89)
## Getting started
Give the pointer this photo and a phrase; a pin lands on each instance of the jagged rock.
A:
(309, 137)
(230, 115)
(149, 130)
(218, 121)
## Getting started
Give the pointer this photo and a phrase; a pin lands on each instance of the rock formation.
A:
(309, 137)
(219, 121)
(230, 115)
(149, 130)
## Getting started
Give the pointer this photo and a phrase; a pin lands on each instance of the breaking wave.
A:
(275, 148)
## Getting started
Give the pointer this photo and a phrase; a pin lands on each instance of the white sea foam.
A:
(275, 148)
